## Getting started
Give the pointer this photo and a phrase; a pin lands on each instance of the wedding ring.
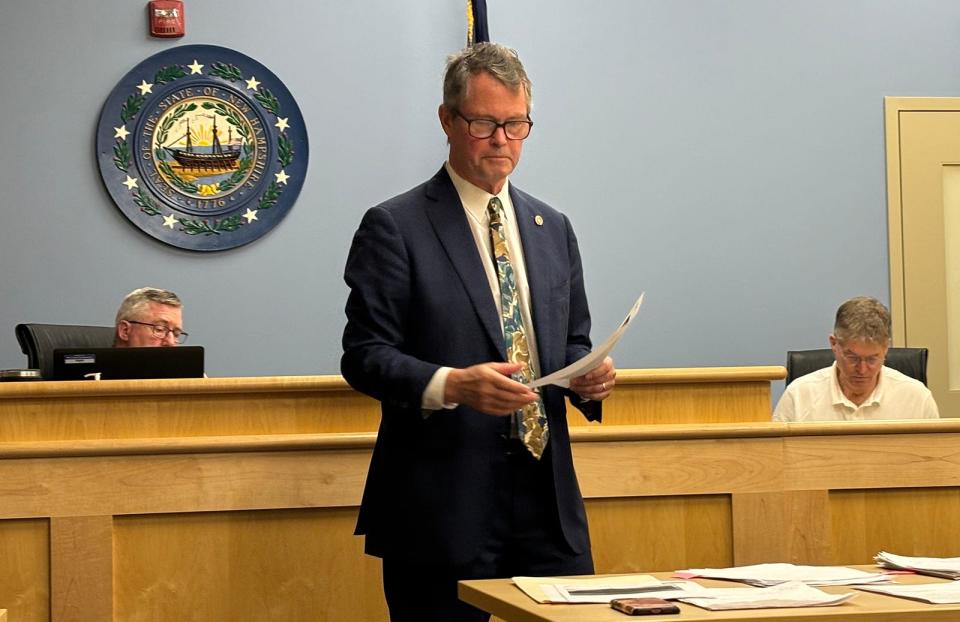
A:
(604, 385)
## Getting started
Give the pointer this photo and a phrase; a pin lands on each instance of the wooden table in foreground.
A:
(503, 599)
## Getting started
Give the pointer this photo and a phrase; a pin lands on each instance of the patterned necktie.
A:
(531, 419)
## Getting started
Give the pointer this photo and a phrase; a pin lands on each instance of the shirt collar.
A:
(840, 399)
(475, 199)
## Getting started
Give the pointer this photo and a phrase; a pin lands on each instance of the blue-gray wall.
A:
(725, 156)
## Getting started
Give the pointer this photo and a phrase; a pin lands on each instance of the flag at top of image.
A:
(477, 30)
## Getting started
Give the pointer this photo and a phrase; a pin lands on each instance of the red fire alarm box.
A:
(166, 18)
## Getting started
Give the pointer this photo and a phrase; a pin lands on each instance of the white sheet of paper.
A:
(562, 377)
(775, 573)
(789, 594)
(950, 565)
(604, 593)
(934, 593)
(547, 589)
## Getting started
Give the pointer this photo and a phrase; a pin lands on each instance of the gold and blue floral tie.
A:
(531, 420)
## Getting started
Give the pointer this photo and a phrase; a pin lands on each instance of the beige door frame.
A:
(893, 107)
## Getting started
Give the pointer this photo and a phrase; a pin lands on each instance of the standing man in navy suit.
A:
(461, 290)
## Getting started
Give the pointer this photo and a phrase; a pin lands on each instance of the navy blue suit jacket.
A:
(419, 299)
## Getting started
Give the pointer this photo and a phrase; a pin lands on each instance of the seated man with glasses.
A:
(858, 385)
(149, 317)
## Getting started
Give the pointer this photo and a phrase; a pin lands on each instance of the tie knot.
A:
(494, 210)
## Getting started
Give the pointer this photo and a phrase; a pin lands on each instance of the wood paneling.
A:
(266, 565)
(81, 559)
(25, 569)
(660, 532)
(923, 521)
(46, 411)
(702, 395)
(256, 519)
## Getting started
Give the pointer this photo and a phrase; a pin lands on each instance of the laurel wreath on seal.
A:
(122, 156)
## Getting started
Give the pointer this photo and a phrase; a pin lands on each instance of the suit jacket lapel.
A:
(446, 215)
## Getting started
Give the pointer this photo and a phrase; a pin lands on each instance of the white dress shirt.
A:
(474, 201)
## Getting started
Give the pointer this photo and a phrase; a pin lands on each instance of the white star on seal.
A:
(169, 221)
(195, 67)
(131, 183)
(282, 177)
(145, 87)
(121, 132)
(250, 216)
(282, 123)
(253, 83)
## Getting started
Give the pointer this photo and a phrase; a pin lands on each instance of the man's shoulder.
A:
(806, 397)
(814, 379)
(899, 381)
(551, 220)
(416, 196)
(526, 199)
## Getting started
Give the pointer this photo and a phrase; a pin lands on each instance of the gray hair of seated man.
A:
(136, 302)
(863, 319)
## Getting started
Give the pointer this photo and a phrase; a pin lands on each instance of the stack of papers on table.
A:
(789, 594)
(603, 589)
(765, 575)
(933, 593)
(945, 567)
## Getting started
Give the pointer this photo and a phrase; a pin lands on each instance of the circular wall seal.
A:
(202, 147)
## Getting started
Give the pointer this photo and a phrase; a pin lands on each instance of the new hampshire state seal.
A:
(202, 148)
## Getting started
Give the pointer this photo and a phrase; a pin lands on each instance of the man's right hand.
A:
(488, 388)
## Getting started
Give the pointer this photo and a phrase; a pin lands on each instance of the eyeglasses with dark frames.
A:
(160, 331)
(485, 128)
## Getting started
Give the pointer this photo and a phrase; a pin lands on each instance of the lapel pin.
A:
(539, 220)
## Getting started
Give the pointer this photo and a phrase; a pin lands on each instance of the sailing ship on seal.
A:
(217, 159)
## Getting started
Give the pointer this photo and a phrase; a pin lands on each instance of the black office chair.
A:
(909, 361)
(38, 341)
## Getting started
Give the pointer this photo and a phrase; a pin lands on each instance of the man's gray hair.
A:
(497, 60)
(136, 301)
(863, 319)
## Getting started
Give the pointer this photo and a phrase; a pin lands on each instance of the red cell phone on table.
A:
(644, 606)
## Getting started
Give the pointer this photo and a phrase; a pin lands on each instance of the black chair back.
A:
(38, 341)
(909, 361)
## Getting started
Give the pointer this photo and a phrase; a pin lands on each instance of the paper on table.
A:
(946, 567)
(934, 593)
(546, 589)
(669, 590)
(562, 377)
(789, 594)
(773, 574)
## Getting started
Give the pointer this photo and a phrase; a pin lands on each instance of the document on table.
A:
(603, 589)
(762, 575)
(562, 377)
(933, 593)
(789, 594)
(945, 567)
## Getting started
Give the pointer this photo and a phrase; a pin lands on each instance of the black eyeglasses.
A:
(485, 128)
(160, 331)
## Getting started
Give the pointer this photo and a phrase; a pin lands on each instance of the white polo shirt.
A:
(818, 397)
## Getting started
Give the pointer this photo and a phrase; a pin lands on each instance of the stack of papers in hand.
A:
(933, 593)
(789, 594)
(603, 589)
(945, 567)
(764, 575)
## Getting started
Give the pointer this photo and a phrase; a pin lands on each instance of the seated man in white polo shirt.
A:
(857, 386)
